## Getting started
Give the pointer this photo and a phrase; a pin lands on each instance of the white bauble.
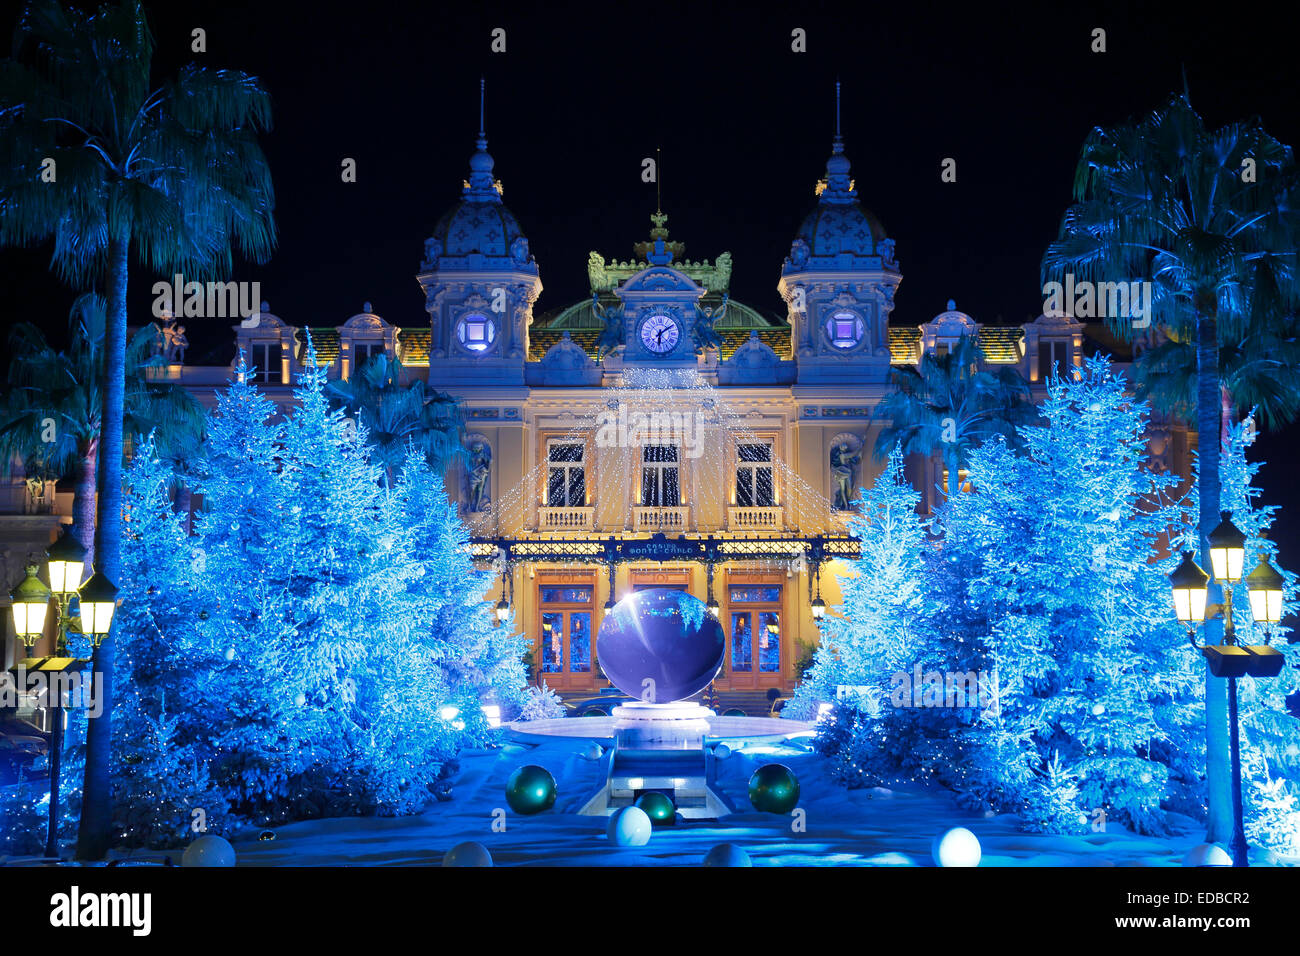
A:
(956, 847)
(629, 826)
(594, 751)
(1207, 854)
(727, 854)
(721, 752)
(467, 854)
(209, 850)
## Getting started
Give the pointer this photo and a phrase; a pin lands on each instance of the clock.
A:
(659, 333)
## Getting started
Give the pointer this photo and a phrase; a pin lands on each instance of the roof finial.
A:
(838, 146)
(482, 84)
(659, 206)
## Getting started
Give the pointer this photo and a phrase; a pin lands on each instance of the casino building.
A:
(658, 433)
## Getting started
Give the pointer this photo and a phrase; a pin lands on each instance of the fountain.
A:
(660, 646)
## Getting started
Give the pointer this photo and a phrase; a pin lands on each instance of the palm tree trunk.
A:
(83, 497)
(1225, 402)
(97, 810)
(954, 482)
(1209, 416)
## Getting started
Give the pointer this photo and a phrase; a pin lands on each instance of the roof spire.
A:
(481, 184)
(659, 206)
(837, 144)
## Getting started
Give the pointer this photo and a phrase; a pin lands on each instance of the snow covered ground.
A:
(843, 827)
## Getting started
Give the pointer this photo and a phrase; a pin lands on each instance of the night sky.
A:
(584, 93)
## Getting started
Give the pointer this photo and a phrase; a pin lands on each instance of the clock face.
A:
(659, 334)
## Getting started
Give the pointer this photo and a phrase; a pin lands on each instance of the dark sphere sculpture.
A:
(530, 789)
(774, 788)
(658, 807)
(660, 645)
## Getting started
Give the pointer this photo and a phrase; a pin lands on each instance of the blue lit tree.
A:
(871, 636)
(320, 646)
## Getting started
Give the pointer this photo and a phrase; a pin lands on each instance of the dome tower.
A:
(839, 281)
(479, 282)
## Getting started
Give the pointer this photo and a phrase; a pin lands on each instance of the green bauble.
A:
(658, 807)
(734, 712)
(530, 789)
(774, 788)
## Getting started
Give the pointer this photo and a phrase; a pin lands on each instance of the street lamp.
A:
(97, 600)
(31, 603)
(1227, 547)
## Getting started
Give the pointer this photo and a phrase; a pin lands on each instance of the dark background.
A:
(583, 93)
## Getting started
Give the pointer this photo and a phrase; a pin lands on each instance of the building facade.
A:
(658, 433)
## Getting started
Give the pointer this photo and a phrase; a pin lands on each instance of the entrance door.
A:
(755, 641)
(565, 638)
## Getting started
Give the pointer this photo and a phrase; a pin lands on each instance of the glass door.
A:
(755, 642)
(565, 641)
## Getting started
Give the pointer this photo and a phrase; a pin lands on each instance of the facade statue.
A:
(596, 274)
(477, 471)
(703, 333)
(174, 342)
(843, 461)
(612, 337)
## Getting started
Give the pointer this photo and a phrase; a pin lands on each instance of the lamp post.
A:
(817, 605)
(97, 600)
(1227, 547)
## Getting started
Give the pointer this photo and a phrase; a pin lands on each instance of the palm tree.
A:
(397, 416)
(170, 175)
(1209, 218)
(51, 414)
(948, 405)
(1256, 374)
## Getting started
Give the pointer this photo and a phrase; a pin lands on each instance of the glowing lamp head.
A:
(503, 611)
(98, 600)
(1265, 584)
(1227, 549)
(1188, 582)
(818, 610)
(67, 560)
(31, 601)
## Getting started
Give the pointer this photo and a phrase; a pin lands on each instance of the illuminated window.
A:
(566, 480)
(754, 476)
(476, 332)
(844, 329)
(659, 484)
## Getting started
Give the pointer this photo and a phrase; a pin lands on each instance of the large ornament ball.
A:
(629, 826)
(734, 712)
(774, 788)
(956, 847)
(1207, 854)
(727, 854)
(660, 645)
(530, 789)
(658, 807)
(467, 854)
(210, 850)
